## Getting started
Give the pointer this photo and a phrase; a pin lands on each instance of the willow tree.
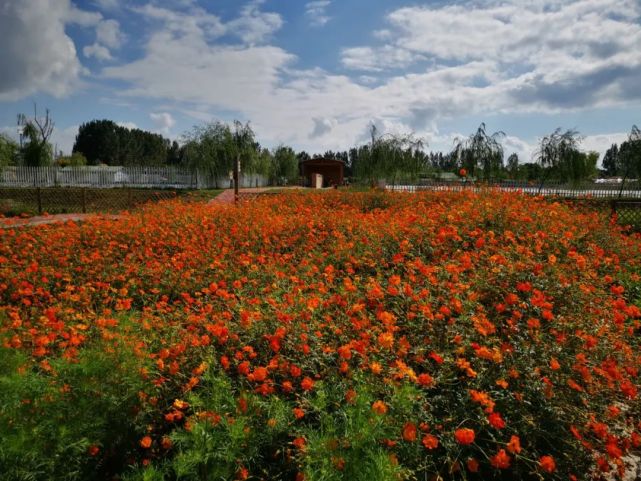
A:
(630, 156)
(480, 152)
(557, 150)
(213, 148)
(388, 156)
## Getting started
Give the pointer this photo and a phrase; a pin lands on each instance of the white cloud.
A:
(322, 126)
(255, 26)
(36, 53)
(108, 33)
(107, 5)
(97, 51)
(163, 121)
(377, 59)
(316, 12)
(526, 70)
(602, 142)
(63, 139)
(127, 125)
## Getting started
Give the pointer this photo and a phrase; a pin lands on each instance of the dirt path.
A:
(11, 222)
(227, 196)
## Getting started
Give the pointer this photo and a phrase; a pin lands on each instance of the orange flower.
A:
(464, 435)
(462, 172)
(514, 446)
(386, 340)
(472, 465)
(501, 460)
(178, 404)
(260, 374)
(430, 441)
(379, 407)
(307, 384)
(145, 442)
(425, 380)
(299, 443)
(496, 420)
(409, 432)
(547, 464)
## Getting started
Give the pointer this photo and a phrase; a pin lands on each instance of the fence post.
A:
(39, 197)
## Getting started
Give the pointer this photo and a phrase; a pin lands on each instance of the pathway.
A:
(227, 196)
(10, 222)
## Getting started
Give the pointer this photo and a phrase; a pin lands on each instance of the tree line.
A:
(212, 148)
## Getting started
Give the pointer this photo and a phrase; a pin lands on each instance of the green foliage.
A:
(345, 441)
(8, 150)
(37, 150)
(611, 161)
(75, 159)
(480, 154)
(389, 157)
(212, 149)
(285, 165)
(105, 142)
(630, 154)
(53, 414)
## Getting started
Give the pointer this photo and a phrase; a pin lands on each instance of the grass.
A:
(63, 200)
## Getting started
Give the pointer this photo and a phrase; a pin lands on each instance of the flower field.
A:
(356, 336)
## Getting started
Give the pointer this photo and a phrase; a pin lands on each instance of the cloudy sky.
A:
(314, 74)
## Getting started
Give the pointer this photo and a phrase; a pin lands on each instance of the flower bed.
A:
(322, 336)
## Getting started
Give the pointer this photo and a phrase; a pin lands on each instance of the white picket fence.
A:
(114, 176)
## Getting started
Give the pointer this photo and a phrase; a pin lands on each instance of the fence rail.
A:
(112, 176)
(629, 190)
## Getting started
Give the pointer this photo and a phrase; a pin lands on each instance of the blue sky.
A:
(315, 74)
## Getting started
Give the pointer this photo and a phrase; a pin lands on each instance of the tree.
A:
(513, 165)
(556, 151)
(630, 155)
(99, 141)
(8, 150)
(388, 157)
(174, 154)
(213, 148)
(285, 164)
(480, 151)
(37, 150)
(105, 142)
(611, 162)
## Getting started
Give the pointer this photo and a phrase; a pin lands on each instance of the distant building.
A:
(332, 170)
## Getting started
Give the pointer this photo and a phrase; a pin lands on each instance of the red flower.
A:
(464, 435)
(145, 442)
(547, 464)
(307, 384)
(496, 420)
(409, 432)
(299, 443)
(472, 465)
(379, 407)
(514, 446)
(501, 460)
(430, 441)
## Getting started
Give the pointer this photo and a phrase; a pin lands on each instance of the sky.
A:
(316, 74)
